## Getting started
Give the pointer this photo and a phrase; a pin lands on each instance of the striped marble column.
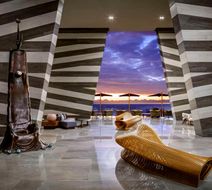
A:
(75, 71)
(39, 26)
(173, 72)
(193, 27)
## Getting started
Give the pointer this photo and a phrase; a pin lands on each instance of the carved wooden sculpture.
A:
(144, 149)
(126, 121)
(21, 134)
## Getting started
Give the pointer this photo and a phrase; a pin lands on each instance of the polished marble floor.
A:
(89, 159)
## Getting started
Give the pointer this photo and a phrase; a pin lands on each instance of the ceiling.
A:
(130, 15)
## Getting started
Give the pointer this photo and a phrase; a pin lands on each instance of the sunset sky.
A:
(131, 63)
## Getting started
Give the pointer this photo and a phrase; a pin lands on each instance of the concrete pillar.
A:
(192, 22)
(75, 71)
(173, 72)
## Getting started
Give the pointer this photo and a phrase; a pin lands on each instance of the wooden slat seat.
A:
(144, 149)
(126, 120)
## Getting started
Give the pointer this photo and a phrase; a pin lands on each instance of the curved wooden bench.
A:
(126, 121)
(144, 149)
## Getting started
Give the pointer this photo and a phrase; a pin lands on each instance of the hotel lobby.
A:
(56, 131)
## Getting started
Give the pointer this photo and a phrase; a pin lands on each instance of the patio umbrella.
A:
(129, 95)
(101, 95)
(160, 95)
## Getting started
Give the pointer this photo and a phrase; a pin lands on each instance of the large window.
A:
(131, 64)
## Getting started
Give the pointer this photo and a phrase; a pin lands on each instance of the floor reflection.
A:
(132, 178)
(89, 159)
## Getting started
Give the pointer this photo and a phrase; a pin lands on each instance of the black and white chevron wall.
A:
(75, 71)
(39, 26)
(192, 22)
(173, 72)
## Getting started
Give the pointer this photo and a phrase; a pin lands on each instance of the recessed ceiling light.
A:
(161, 17)
(110, 17)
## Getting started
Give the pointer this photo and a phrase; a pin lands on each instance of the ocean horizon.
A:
(144, 107)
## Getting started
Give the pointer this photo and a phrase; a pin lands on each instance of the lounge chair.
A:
(155, 113)
(136, 112)
(103, 112)
(126, 121)
(109, 113)
(119, 112)
(144, 149)
(168, 113)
